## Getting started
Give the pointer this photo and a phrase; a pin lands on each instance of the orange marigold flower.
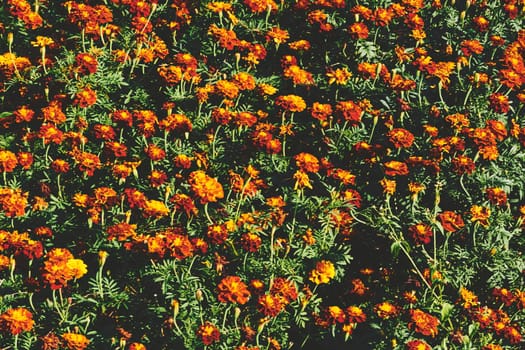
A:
(386, 310)
(321, 111)
(155, 153)
(232, 289)
(13, 202)
(451, 221)
(302, 180)
(86, 97)
(324, 271)
(74, 341)
(291, 103)
(50, 341)
(389, 186)
(355, 314)
(277, 35)
(418, 345)
(270, 305)
(208, 333)
(469, 47)
(298, 75)
(86, 63)
(284, 288)
(205, 187)
(17, 320)
(496, 196)
(307, 162)
(53, 113)
(499, 103)
(8, 161)
(227, 89)
(251, 242)
(350, 111)
(395, 168)
(23, 114)
(463, 165)
(358, 30)
(339, 76)
(137, 346)
(259, 6)
(421, 233)
(121, 231)
(480, 214)
(401, 137)
(423, 323)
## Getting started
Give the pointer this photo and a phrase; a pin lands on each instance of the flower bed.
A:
(262, 174)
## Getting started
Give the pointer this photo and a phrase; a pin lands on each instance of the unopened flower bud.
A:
(175, 304)
(198, 295)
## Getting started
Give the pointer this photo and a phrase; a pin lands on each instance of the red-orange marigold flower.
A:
(423, 323)
(418, 345)
(232, 289)
(421, 233)
(208, 333)
(451, 221)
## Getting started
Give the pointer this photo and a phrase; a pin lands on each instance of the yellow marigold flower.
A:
(389, 186)
(324, 271)
(219, 6)
(77, 267)
(301, 180)
(155, 208)
(42, 41)
(17, 320)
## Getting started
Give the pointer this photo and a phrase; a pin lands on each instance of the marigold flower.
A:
(259, 6)
(270, 305)
(496, 196)
(463, 165)
(389, 186)
(324, 271)
(205, 187)
(155, 208)
(137, 346)
(350, 111)
(8, 161)
(401, 138)
(291, 103)
(13, 202)
(418, 345)
(480, 214)
(339, 76)
(386, 310)
(423, 323)
(395, 168)
(302, 180)
(358, 30)
(355, 314)
(421, 233)
(74, 341)
(451, 221)
(208, 333)
(86, 97)
(251, 242)
(307, 162)
(232, 289)
(17, 320)
(499, 103)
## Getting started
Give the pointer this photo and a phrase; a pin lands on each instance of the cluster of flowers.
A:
(262, 174)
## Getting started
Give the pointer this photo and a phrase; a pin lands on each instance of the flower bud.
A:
(175, 304)
(198, 295)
